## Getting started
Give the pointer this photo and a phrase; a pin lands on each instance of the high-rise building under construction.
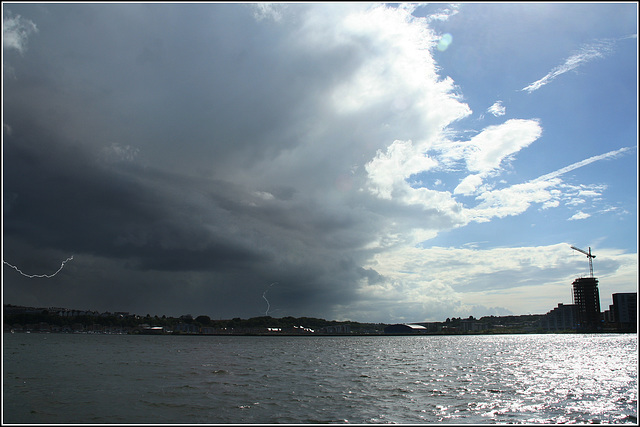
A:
(586, 298)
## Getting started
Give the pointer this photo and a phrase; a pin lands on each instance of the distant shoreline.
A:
(320, 335)
(21, 319)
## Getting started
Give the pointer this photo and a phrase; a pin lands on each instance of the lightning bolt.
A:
(264, 295)
(41, 276)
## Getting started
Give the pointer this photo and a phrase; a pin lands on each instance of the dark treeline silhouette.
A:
(26, 316)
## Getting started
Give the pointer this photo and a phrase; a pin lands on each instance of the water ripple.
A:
(517, 379)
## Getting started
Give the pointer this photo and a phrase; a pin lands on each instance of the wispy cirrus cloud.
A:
(444, 14)
(548, 190)
(596, 50)
(608, 155)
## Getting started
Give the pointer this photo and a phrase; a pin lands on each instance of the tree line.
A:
(132, 321)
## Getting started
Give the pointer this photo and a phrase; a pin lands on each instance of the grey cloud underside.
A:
(168, 221)
(163, 222)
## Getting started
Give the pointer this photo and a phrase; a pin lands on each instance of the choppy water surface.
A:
(59, 378)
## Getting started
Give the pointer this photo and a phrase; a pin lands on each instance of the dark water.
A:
(60, 378)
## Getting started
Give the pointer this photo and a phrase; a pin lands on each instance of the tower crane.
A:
(589, 256)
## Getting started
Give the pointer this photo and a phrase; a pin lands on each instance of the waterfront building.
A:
(152, 330)
(405, 329)
(625, 312)
(586, 298)
(336, 329)
(188, 328)
(472, 325)
(561, 318)
(609, 315)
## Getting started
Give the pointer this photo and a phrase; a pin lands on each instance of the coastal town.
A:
(621, 317)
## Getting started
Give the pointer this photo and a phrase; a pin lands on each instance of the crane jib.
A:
(589, 257)
(584, 252)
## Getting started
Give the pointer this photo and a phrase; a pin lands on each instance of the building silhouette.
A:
(405, 329)
(561, 318)
(586, 298)
(625, 310)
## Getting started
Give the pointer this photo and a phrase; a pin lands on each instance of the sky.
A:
(371, 162)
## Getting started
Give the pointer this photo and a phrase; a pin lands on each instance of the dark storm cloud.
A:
(161, 222)
(190, 155)
(75, 203)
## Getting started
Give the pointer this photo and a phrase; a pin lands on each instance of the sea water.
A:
(81, 378)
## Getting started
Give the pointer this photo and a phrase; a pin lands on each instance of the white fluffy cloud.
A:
(512, 200)
(579, 215)
(486, 151)
(16, 31)
(497, 109)
(391, 169)
(483, 154)
(468, 185)
(471, 281)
